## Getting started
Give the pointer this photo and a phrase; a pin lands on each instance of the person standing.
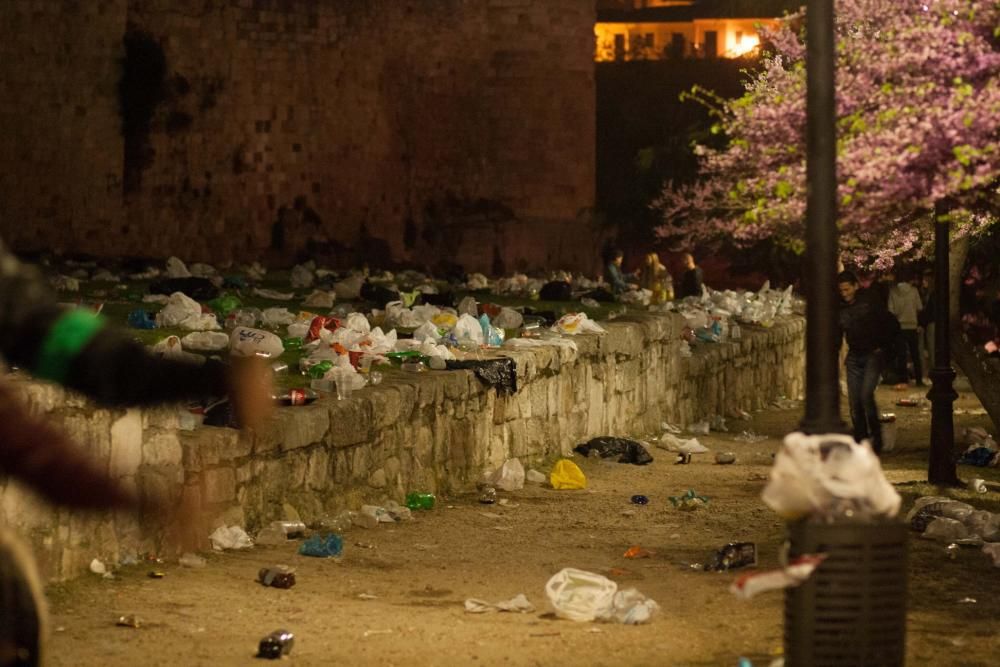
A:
(691, 280)
(868, 328)
(904, 303)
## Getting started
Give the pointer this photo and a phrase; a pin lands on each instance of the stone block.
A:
(162, 447)
(126, 443)
(305, 425)
(219, 485)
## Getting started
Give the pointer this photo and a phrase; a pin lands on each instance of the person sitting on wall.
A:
(75, 348)
(657, 280)
(615, 277)
(691, 280)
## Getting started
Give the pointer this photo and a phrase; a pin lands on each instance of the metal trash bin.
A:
(852, 611)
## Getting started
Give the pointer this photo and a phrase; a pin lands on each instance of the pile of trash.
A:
(957, 524)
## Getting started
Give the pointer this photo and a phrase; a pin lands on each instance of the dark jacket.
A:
(691, 283)
(867, 324)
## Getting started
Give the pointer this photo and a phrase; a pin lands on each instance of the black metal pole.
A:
(941, 467)
(822, 410)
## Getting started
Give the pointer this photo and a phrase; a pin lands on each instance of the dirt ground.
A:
(420, 573)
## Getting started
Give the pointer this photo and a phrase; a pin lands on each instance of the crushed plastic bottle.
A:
(420, 501)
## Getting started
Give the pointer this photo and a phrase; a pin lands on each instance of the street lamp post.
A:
(941, 469)
(822, 409)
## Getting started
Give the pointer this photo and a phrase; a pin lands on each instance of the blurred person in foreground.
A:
(76, 349)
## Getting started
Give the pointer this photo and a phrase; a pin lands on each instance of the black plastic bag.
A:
(557, 290)
(378, 294)
(627, 451)
(500, 373)
(199, 289)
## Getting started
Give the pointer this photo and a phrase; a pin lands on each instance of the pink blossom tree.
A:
(918, 108)
(918, 141)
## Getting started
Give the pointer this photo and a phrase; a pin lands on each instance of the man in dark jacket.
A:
(869, 328)
(76, 349)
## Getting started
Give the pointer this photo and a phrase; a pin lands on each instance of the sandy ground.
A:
(420, 573)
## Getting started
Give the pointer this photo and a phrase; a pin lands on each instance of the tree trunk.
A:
(984, 381)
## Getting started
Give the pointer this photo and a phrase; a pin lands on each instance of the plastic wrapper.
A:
(794, 574)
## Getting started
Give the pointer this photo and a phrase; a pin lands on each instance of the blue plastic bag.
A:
(322, 546)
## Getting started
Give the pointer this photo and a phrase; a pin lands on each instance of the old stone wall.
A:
(435, 431)
(387, 131)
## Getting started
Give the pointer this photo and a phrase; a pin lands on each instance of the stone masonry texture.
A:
(435, 431)
(390, 131)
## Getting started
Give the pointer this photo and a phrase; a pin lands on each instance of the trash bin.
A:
(852, 611)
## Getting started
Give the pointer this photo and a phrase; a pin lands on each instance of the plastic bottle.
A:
(276, 644)
(420, 501)
(296, 397)
(318, 370)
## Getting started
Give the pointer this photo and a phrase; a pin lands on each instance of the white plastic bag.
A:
(302, 276)
(206, 341)
(179, 307)
(349, 289)
(230, 537)
(358, 322)
(247, 342)
(319, 299)
(508, 318)
(468, 329)
(277, 317)
(510, 476)
(577, 323)
(579, 595)
(177, 269)
(812, 473)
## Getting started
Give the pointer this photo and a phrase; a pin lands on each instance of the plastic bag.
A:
(627, 451)
(247, 342)
(206, 341)
(277, 317)
(579, 595)
(577, 323)
(567, 475)
(468, 306)
(349, 289)
(179, 307)
(425, 331)
(822, 474)
(946, 530)
(358, 322)
(468, 329)
(230, 537)
(510, 476)
(322, 546)
(672, 443)
(508, 318)
(584, 596)
(302, 276)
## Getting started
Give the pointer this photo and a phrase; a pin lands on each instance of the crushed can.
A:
(732, 556)
(276, 644)
(277, 577)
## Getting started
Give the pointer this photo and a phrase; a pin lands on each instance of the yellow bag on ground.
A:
(567, 475)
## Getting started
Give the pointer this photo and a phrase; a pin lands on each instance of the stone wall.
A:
(376, 130)
(434, 431)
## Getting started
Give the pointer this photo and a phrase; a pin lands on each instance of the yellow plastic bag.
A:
(567, 475)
